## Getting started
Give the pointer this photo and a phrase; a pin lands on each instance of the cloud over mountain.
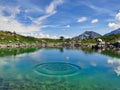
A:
(116, 24)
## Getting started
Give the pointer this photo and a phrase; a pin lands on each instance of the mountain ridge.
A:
(117, 31)
(87, 35)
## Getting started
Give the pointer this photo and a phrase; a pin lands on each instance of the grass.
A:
(11, 37)
(110, 38)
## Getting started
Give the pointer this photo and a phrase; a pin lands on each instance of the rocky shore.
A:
(99, 45)
(108, 46)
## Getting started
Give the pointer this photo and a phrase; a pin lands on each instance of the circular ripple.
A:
(57, 69)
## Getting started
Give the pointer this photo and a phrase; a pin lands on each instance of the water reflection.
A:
(116, 64)
(15, 51)
(19, 72)
(57, 69)
(111, 53)
(61, 50)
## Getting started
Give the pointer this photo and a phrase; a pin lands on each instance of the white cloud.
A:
(11, 10)
(42, 35)
(39, 20)
(10, 23)
(82, 19)
(67, 26)
(38, 35)
(51, 8)
(94, 21)
(116, 65)
(116, 24)
(98, 9)
(118, 17)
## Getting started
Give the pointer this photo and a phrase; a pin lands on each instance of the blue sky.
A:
(55, 18)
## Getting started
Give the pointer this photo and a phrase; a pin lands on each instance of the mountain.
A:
(117, 31)
(87, 34)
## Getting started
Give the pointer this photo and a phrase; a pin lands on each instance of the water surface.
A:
(59, 69)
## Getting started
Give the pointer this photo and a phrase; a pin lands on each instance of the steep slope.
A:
(87, 35)
(117, 31)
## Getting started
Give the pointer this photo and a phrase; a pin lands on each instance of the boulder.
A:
(99, 40)
(117, 44)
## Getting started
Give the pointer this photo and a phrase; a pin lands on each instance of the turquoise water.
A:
(59, 69)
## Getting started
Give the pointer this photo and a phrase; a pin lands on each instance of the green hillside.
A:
(9, 37)
(110, 38)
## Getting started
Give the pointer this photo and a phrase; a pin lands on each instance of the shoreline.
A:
(108, 46)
